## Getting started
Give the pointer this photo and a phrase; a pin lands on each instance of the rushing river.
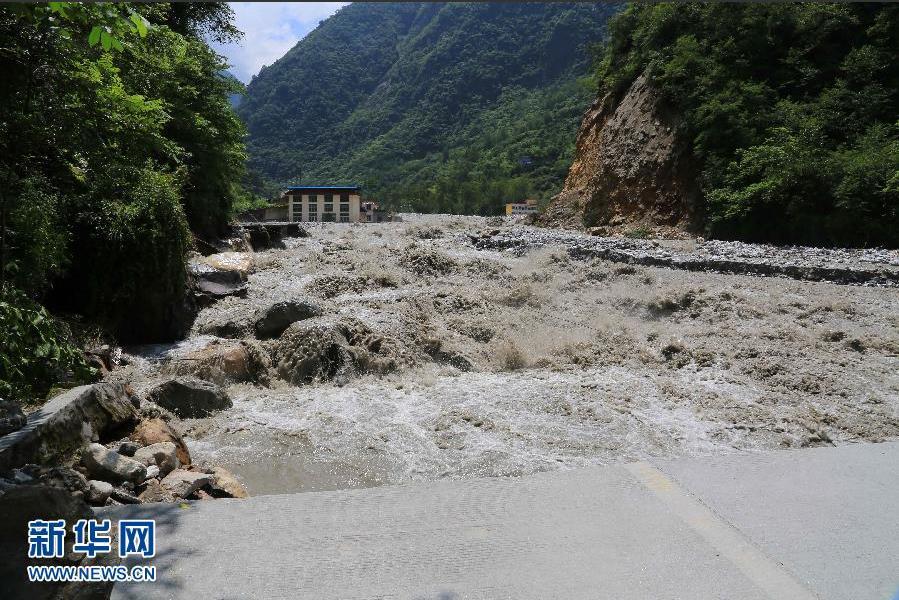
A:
(572, 362)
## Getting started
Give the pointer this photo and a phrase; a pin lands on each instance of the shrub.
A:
(37, 239)
(38, 350)
(638, 233)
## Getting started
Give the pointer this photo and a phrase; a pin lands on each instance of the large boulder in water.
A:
(209, 292)
(182, 483)
(224, 362)
(281, 315)
(221, 275)
(310, 352)
(317, 350)
(239, 263)
(189, 397)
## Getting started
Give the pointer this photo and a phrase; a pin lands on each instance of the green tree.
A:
(116, 139)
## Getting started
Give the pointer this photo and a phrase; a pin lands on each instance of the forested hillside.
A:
(433, 107)
(787, 111)
(117, 146)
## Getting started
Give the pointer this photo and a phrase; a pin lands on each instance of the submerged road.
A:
(802, 524)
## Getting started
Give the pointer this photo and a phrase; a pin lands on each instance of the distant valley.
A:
(431, 107)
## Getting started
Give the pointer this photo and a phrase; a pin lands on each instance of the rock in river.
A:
(224, 362)
(103, 463)
(163, 454)
(189, 397)
(183, 483)
(153, 431)
(226, 484)
(280, 316)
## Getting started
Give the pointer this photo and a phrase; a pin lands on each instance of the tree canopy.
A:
(117, 146)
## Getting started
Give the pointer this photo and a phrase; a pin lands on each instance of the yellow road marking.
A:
(767, 574)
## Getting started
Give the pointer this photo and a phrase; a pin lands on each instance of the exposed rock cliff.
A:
(628, 170)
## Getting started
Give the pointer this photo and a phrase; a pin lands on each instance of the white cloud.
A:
(271, 29)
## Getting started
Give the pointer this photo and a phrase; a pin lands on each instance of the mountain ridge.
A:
(400, 115)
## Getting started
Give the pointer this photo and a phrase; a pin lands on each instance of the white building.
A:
(332, 203)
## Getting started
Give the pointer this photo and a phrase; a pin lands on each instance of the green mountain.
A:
(434, 107)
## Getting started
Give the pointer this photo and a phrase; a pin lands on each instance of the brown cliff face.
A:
(629, 171)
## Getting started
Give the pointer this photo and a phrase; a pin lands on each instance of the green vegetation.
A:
(790, 111)
(38, 350)
(117, 146)
(638, 233)
(431, 107)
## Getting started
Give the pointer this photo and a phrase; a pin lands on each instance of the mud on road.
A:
(494, 359)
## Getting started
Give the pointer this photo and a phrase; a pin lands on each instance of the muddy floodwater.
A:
(506, 361)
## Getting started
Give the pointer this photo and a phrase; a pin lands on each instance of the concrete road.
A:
(819, 523)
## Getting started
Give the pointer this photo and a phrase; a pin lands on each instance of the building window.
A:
(329, 197)
(313, 198)
(328, 216)
(344, 218)
(345, 208)
(344, 197)
(328, 207)
(312, 217)
(313, 212)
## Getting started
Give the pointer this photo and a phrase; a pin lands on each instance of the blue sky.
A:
(271, 29)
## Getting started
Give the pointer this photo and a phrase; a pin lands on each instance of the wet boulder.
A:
(220, 275)
(209, 292)
(311, 352)
(189, 397)
(318, 350)
(225, 324)
(154, 431)
(11, 417)
(224, 363)
(226, 485)
(278, 317)
(108, 465)
(226, 266)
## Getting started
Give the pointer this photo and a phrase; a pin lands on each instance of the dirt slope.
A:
(628, 171)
